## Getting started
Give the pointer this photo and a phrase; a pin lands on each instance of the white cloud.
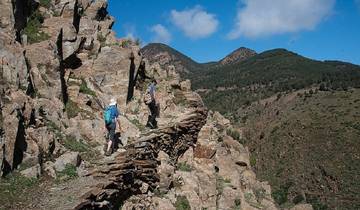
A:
(161, 34)
(195, 23)
(258, 18)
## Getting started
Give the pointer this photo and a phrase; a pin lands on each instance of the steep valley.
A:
(299, 117)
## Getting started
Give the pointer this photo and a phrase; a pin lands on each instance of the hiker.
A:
(111, 117)
(141, 75)
(150, 100)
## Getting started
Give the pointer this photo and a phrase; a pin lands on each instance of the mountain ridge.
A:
(237, 53)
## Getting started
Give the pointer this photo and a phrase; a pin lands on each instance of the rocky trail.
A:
(60, 65)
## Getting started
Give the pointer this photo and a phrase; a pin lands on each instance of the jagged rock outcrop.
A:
(38, 72)
(212, 174)
(137, 167)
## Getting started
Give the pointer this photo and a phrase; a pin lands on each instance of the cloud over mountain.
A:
(195, 22)
(161, 34)
(257, 18)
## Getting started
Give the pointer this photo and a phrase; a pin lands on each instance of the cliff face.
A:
(59, 70)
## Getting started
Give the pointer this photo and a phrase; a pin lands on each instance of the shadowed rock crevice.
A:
(72, 62)
(30, 91)
(132, 81)
(22, 9)
(77, 16)
(20, 142)
(5, 167)
(61, 68)
(101, 14)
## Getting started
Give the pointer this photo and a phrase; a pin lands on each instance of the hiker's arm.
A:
(119, 124)
(155, 98)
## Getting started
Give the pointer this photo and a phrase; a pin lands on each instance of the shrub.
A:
(68, 173)
(233, 133)
(298, 199)
(280, 195)
(182, 203)
(45, 3)
(138, 42)
(101, 39)
(126, 43)
(72, 109)
(32, 29)
(316, 203)
(237, 202)
(252, 160)
(72, 144)
(259, 193)
(184, 167)
(220, 184)
(85, 89)
(248, 196)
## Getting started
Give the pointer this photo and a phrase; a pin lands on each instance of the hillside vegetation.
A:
(307, 147)
(268, 74)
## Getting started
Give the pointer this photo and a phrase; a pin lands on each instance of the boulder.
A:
(32, 172)
(71, 158)
(71, 48)
(165, 171)
(69, 33)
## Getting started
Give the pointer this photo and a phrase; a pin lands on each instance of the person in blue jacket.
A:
(111, 126)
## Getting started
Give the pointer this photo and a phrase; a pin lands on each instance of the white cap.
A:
(112, 102)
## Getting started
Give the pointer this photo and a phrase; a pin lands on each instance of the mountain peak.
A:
(238, 55)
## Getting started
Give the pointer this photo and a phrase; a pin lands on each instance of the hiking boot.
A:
(107, 153)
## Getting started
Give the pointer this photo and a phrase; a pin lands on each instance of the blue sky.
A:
(208, 30)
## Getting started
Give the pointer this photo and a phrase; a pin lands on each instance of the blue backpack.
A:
(108, 115)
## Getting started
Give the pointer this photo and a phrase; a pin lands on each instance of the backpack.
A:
(147, 97)
(107, 115)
